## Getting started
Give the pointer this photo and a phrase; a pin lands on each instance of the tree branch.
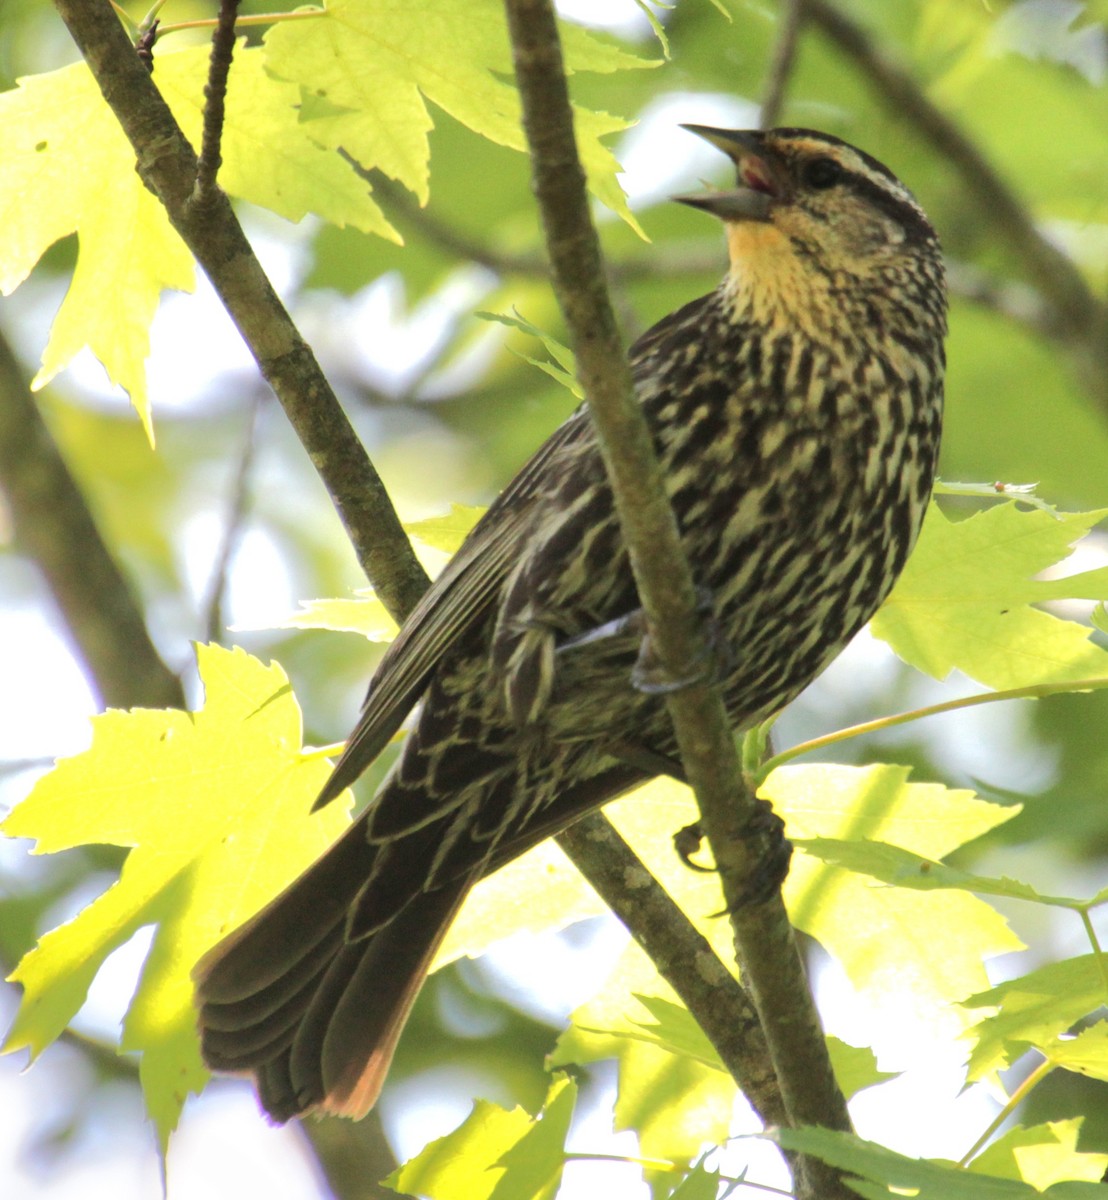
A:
(677, 259)
(168, 165)
(215, 96)
(683, 956)
(789, 23)
(238, 504)
(208, 225)
(763, 936)
(1083, 317)
(54, 526)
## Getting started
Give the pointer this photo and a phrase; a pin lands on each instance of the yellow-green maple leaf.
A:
(68, 168)
(367, 68)
(916, 952)
(965, 599)
(446, 533)
(214, 806)
(495, 1152)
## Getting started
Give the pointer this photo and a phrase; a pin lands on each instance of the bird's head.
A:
(811, 215)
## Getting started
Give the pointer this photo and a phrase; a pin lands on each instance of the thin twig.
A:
(397, 200)
(1017, 301)
(167, 164)
(683, 956)
(766, 945)
(53, 524)
(677, 259)
(1033, 691)
(237, 508)
(789, 22)
(215, 95)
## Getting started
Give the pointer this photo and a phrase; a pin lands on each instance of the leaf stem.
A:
(300, 14)
(1013, 1102)
(1033, 691)
(655, 1164)
(1094, 941)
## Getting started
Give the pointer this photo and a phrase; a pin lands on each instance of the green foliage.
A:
(875, 1173)
(918, 944)
(965, 599)
(213, 808)
(495, 1154)
(445, 533)
(347, 83)
(1041, 1155)
(561, 369)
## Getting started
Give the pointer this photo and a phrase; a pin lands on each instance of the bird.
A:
(796, 411)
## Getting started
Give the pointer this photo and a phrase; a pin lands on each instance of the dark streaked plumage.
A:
(796, 410)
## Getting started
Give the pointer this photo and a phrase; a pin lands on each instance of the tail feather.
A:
(335, 1057)
(364, 1027)
(264, 1003)
(250, 1040)
(273, 944)
(314, 1016)
(296, 998)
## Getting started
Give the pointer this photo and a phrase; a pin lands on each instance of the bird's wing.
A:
(460, 596)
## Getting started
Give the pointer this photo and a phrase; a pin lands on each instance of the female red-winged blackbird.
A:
(796, 411)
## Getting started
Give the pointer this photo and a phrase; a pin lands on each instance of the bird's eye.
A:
(822, 173)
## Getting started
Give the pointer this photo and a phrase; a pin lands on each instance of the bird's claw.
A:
(710, 666)
(765, 831)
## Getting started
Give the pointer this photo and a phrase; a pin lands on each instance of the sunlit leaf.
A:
(509, 1155)
(876, 1173)
(214, 807)
(446, 533)
(1033, 1010)
(362, 613)
(367, 70)
(965, 599)
(902, 868)
(63, 151)
(914, 953)
(1041, 1155)
(1086, 1052)
(674, 1102)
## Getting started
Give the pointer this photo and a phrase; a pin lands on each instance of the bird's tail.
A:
(314, 1017)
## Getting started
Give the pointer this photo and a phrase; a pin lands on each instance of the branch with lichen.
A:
(765, 944)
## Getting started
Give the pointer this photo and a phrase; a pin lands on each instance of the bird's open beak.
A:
(759, 181)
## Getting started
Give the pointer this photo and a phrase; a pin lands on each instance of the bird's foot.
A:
(765, 834)
(633, 623)
(711, 664)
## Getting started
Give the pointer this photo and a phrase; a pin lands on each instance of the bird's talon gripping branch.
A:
(687, 842)
(712, 665)
(766, 832)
